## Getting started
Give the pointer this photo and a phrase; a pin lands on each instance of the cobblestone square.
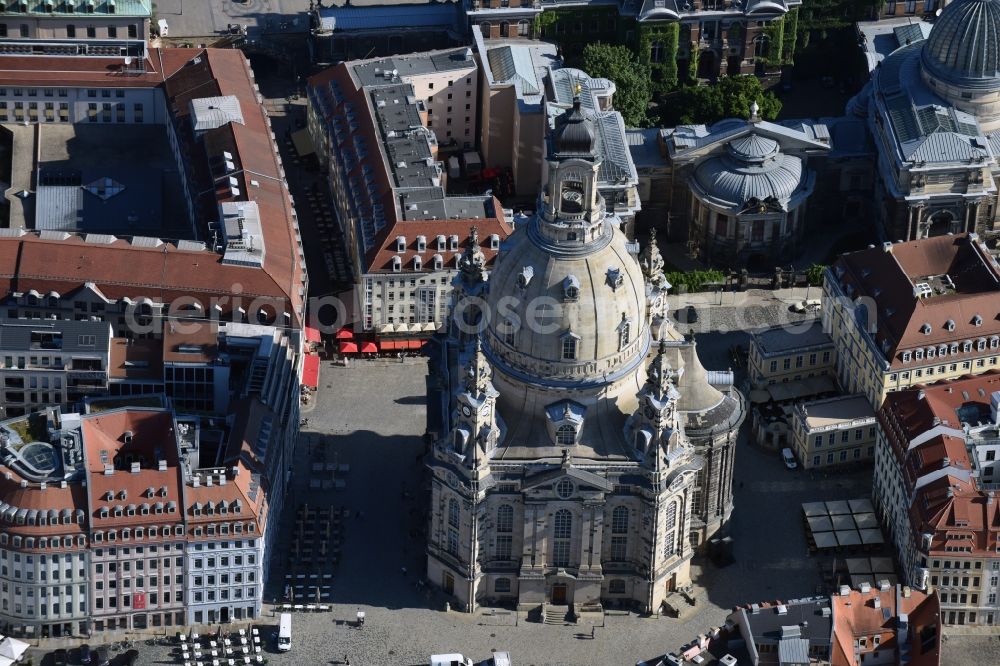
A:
(370, 416)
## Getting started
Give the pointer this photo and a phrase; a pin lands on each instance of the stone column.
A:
(971, 214)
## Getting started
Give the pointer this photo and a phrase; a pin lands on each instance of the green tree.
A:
(730, 97)
(618, 63)
(814, 274)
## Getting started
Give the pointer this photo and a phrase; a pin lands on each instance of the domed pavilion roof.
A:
(963, 49)
(574, 133)
(753, 168)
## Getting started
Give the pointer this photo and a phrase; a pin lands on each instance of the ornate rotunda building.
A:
(933, 107)
(562, 477)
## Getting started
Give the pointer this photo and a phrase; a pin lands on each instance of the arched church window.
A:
(566, 435)
(453, 513)
(507, 334)
(562, 529)
(670, 531)
(505, 518)
(624, 333)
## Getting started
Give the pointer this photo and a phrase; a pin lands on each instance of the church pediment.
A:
(578, 476)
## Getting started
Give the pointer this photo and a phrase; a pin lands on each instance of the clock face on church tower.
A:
(467, 410)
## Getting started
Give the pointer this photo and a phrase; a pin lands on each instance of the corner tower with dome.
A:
(562, 477)
(933, 107)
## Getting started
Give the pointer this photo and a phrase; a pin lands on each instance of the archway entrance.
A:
(224, 615)
(942, 223)
(708, 65)
(559, 594)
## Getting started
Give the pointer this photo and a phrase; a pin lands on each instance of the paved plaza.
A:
(370, 416)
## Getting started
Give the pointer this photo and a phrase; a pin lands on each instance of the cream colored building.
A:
(784, 354)
(562, 477)
(910, 313)
(835, 431)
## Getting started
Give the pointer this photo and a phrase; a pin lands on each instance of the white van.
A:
(285, 633)
(788, 458)
(452, 659)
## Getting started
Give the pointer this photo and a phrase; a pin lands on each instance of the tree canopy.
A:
(618, 63)
(730, 97)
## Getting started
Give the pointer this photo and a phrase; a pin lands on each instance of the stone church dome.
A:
(597, 296)
(964, 45)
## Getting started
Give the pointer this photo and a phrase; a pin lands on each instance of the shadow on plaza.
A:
(376, 553)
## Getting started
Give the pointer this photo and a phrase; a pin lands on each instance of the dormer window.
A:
(954, 348)
(400, 243)
(977, 321)
(906, 357)
(919, 354)
(438, 262)
(615, 278)
(943, 350)
(994, 342)
(925, 329)
(981, 344)
(442, 243)
(397, 264)
(931, 352)
(417, 263)
(494, 241)
(566, 435)
(949, 325)
(967, 346)
(524, 277)
(421, 243)
(571, 288)
(565, 421)
(453, 243)
(569, 343)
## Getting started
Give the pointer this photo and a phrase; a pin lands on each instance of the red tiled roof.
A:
(380, 258)
(856, 616)
(925, 428)
(166, 273)
(888, 277)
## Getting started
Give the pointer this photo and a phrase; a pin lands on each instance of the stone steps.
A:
(555, 615)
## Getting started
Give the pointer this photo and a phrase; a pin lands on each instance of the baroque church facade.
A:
(562, 477)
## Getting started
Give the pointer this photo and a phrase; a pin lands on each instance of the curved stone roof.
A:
(964, 46)
(754, 168)
(607, 285)
(574, 133)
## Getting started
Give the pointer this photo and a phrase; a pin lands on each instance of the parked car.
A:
(789, 459)
(85, 655)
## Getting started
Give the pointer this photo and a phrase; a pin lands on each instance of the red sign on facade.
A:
(139, 600)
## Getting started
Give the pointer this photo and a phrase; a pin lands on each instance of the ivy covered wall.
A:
(664, 72)
(781, 38)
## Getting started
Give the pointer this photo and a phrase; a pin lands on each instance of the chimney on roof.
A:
(161, 465)
(887, 247)
(921, 395)
(134, 468)
(108, 469)
(865, 587)
(128, 436)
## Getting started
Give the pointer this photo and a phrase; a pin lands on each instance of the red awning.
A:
(345, 333)
(312, 334)
(310, 371)
(389, 345)
(369, 348)
(348, 348)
